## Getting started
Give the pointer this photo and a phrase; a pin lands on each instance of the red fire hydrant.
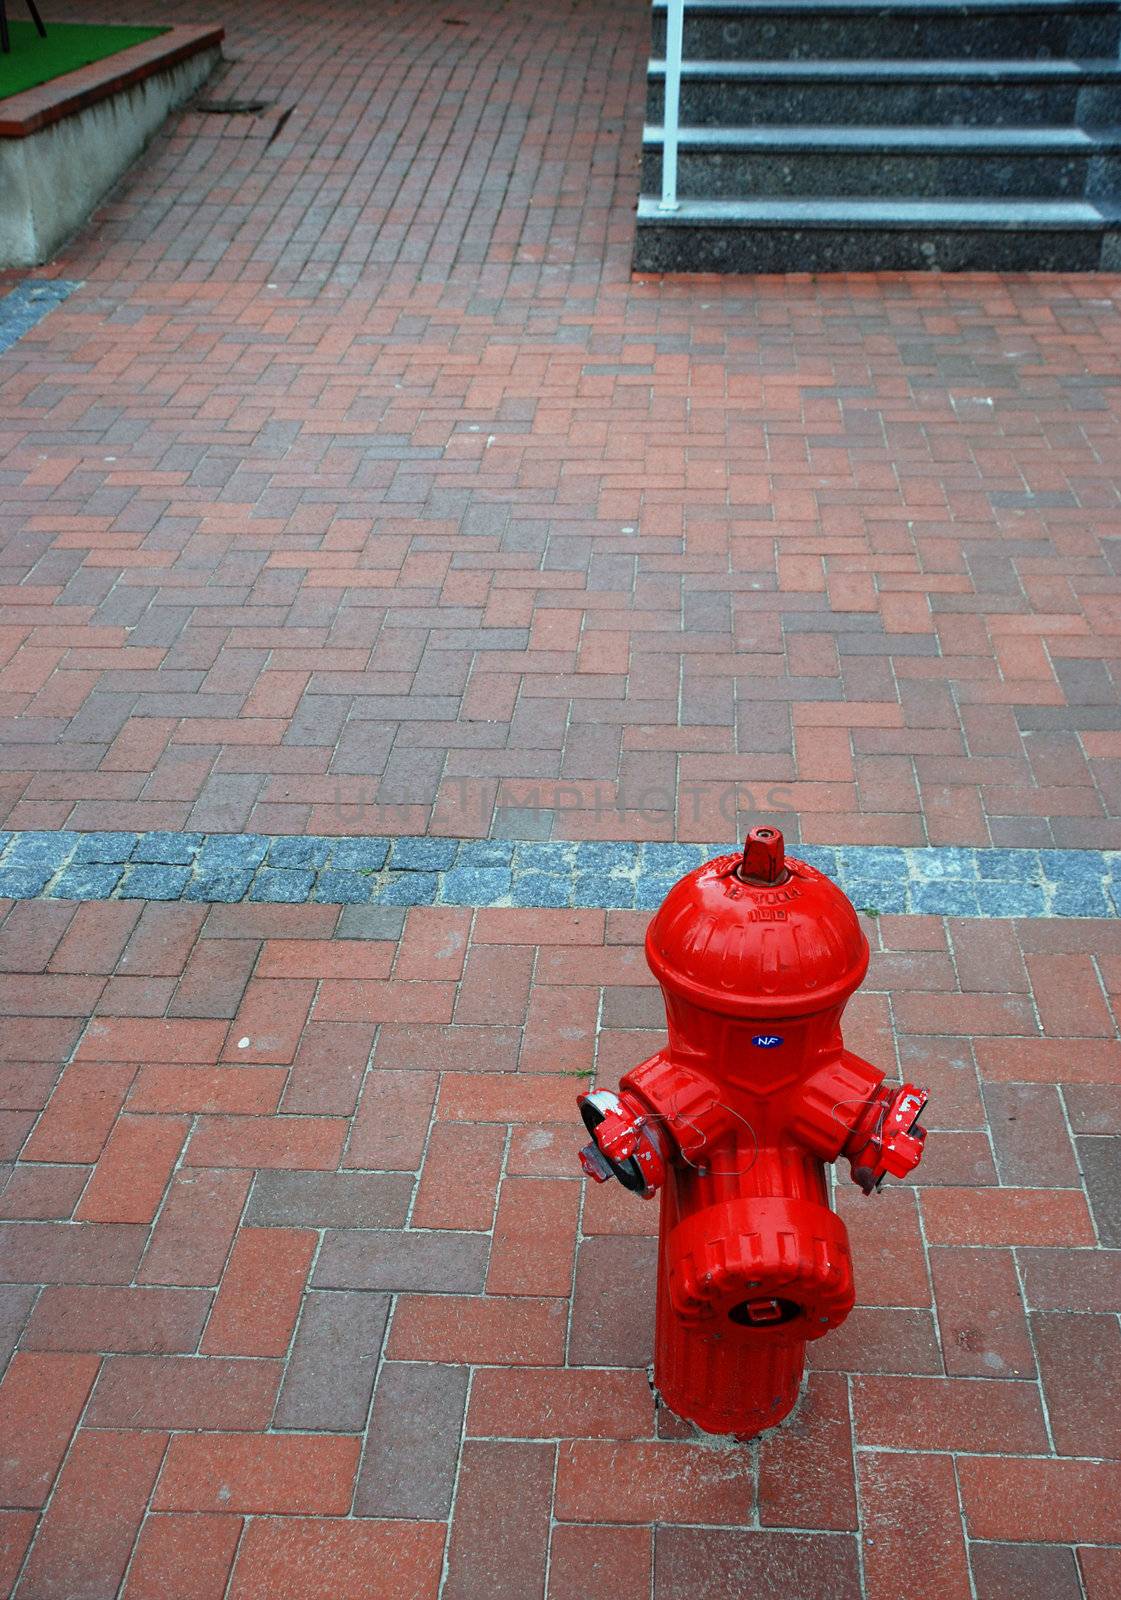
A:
(757, 957)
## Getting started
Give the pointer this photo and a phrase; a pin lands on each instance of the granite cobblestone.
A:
(952, 881)
(28, 303)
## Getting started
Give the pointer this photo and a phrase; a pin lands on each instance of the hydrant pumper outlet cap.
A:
(757, 935)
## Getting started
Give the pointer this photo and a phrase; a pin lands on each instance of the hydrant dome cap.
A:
(751, 949)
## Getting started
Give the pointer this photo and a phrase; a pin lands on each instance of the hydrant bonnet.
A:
(750, 948)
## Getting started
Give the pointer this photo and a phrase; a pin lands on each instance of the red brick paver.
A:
(394, 1345)
(361, 489)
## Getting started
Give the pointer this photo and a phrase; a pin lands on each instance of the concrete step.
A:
(908, 162)
(840, 234)
(808, 29)
(982, 93)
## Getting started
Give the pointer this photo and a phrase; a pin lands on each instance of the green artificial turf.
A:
(68, 46)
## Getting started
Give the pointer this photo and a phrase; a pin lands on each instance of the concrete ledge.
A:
(24, 114)
(64, 144)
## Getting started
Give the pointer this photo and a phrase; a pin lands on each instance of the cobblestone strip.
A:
(226, 868)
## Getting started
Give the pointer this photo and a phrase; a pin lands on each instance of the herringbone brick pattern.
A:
(308, 1298)
(361, 490)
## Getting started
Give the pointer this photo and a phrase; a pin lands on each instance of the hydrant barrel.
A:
(733, 1122)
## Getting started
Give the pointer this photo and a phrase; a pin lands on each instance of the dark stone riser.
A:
(725, 102)
(734, 175)
(750, 250)
(892, 36)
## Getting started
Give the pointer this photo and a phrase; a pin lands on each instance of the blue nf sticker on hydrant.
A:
(767, 1041)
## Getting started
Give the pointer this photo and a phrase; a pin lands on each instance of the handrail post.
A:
(675, 23)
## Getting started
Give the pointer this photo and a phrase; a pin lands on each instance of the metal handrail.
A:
(675, 23)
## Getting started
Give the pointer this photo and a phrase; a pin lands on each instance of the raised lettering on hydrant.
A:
(733, 1122)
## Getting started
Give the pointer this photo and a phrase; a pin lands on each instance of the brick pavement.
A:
(360, 489)
(309, 1299)
(357, 490)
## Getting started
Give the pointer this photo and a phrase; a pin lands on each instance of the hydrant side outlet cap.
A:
(748, 948)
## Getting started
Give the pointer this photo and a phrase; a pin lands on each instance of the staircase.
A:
(864, 135)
